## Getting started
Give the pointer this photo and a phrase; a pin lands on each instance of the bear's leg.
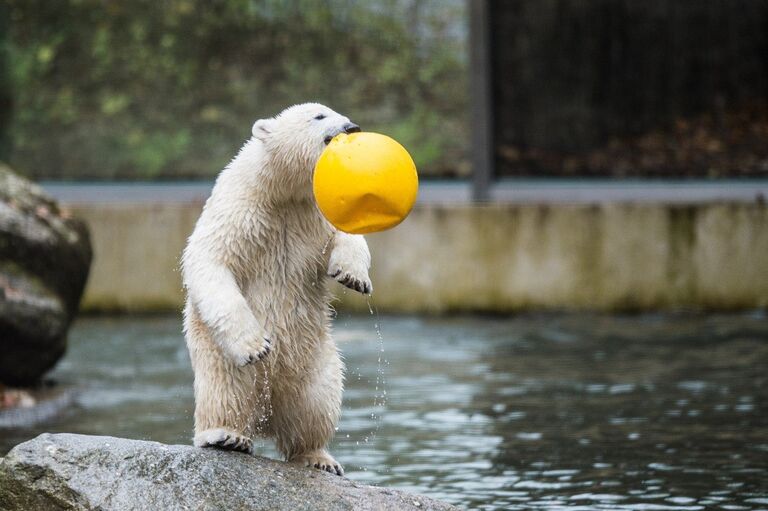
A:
(227, 397)
(304, 417)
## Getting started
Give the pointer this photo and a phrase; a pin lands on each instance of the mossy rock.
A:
(44, 260)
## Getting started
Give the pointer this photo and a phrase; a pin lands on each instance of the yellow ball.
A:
(365, 182)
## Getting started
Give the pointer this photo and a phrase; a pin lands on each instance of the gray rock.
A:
(44, 261)
(78, 472)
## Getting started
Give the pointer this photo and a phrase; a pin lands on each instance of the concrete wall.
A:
(492, 258)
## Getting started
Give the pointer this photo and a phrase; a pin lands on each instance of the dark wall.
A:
(585, 86)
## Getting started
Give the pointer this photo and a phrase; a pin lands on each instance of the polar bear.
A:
(257, 313)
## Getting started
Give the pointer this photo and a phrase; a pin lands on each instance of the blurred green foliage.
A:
(169, 89)
(5, 86)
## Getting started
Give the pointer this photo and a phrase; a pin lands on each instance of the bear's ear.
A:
(262, 128)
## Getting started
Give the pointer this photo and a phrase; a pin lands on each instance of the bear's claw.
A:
(232, 443)
(332, 469)
(255, 357)
(224, 439)
(248, 353)
(349, 262)
(320, 460)
(353, 283)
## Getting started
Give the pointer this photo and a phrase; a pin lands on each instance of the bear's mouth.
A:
(347, 128)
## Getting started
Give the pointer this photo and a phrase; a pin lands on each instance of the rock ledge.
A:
(79, 472)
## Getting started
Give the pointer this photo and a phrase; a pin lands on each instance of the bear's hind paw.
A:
(224, 439)
(320, 460)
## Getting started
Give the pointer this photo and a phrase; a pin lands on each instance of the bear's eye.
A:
(319, 117)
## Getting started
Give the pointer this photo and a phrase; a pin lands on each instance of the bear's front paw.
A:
(359, 283)
(349, 262)
(250, 351)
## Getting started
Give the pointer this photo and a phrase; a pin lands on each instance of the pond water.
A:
(647, 412)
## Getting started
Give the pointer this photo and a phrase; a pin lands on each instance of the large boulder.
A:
(44, 260)
(79, 472)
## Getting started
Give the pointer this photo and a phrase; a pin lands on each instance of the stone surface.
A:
(79, 472)
(44, 260)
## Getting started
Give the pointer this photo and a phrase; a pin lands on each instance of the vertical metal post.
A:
(481, 99)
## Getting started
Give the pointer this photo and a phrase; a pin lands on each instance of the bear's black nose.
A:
(351, 128)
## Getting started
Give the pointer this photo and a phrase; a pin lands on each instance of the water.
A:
(535, 412)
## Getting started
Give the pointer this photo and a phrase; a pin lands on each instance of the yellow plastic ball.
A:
(365, 182)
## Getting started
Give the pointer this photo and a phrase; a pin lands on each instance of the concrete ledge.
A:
(598, 257)
(491, 258)
(508, 191)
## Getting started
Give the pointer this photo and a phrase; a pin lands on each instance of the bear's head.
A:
(294, 139)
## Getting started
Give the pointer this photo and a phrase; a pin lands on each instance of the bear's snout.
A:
(351, 127)
(348, 128)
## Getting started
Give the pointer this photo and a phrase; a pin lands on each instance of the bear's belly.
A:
(289, 295)
(295, 314)
(287, 289)
(282, 303)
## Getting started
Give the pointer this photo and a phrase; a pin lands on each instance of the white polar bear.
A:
(257, 315)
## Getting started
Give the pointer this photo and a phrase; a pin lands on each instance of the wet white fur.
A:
(255, 268)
